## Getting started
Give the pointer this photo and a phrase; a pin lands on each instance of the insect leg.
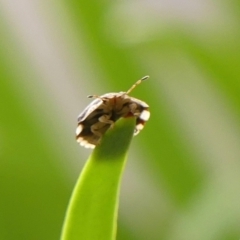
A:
(133, 109)
(99, 127)
(105, 119)
(95, 129)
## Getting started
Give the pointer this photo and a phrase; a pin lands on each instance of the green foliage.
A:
(92, 211)
(183, 177)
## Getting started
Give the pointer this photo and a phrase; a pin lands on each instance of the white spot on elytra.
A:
(136, 131)
(83, 143)
(79, 129)
(88, 145)
(79, 139)
(145, 114)
(139, 126)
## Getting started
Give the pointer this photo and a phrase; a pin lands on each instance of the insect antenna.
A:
(96, 96)
(93, 96)
(137, 83)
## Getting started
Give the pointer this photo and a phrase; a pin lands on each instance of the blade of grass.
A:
(92, 211)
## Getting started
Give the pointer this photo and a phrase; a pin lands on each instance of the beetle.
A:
(105, 110)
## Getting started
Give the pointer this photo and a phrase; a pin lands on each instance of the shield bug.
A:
(105, 110)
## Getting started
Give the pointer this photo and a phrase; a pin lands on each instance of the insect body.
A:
(105, 110)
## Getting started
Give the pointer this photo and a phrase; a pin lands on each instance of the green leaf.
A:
(92, 212)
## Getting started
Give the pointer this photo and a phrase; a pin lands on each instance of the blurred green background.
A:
(182, 180)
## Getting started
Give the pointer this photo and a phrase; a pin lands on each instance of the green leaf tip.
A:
(92, 211)
(116, 140)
